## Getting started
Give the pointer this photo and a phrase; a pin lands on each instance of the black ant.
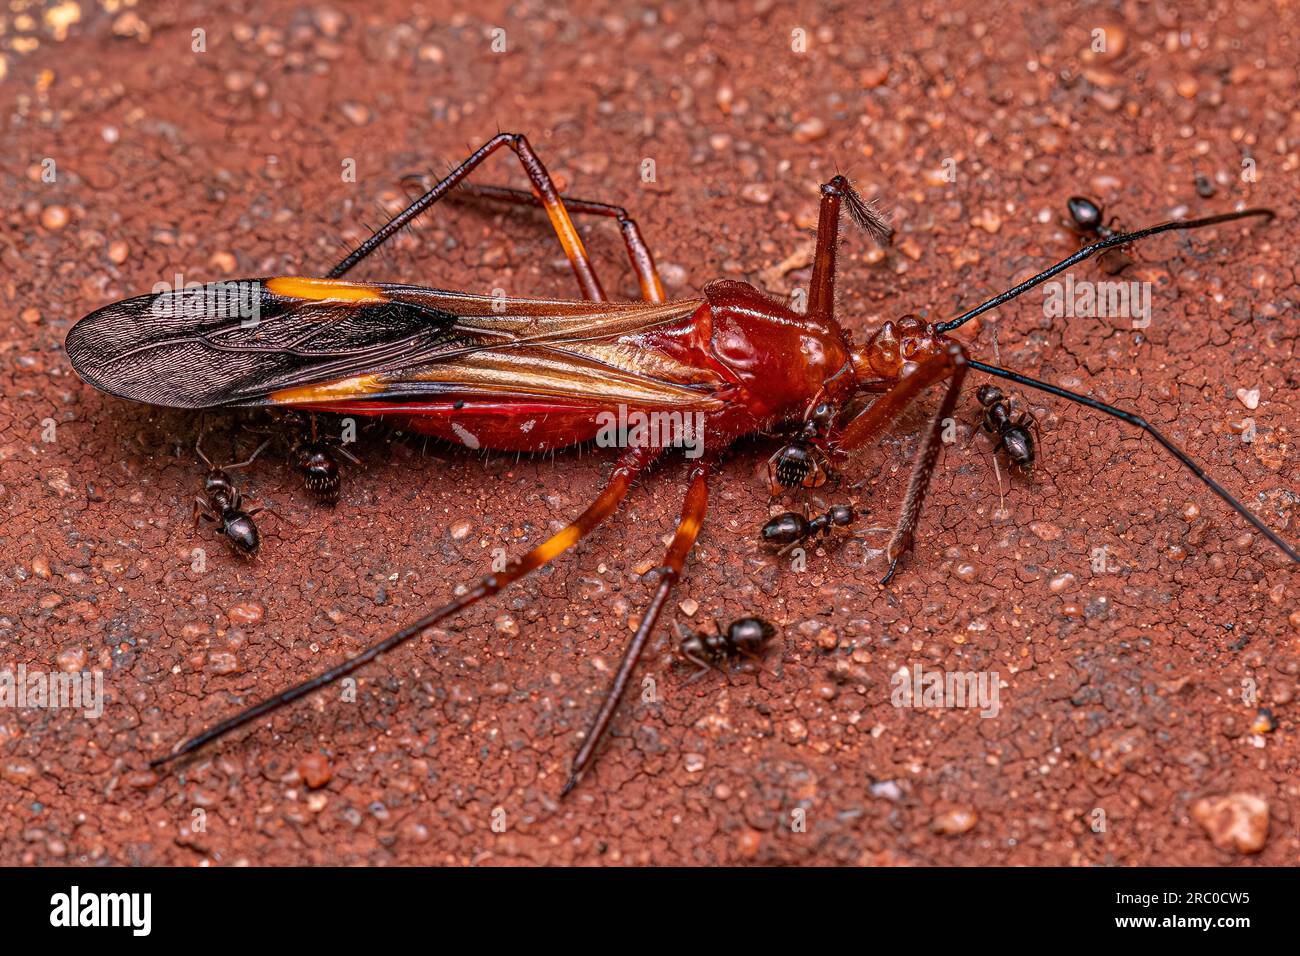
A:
(315, 458)
(791, 528)
(802, 462)
(1013, 436)
(1086, 221)
(222, 503)
(744, 637)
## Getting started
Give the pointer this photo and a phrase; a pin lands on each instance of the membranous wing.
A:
(303, 341)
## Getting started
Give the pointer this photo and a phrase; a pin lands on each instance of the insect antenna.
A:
(1141, 423)
(1088, 252)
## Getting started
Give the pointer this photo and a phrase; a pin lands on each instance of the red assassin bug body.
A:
(535, 375)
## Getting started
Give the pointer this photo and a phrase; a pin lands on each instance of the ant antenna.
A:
(1088, 252)
(1141, 423)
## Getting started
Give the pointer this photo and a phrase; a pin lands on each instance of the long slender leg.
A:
(693, 508)
(1139, 422)
(542, 182)
(821, 296)
(643, 263)
(949, 364)
(632, 463)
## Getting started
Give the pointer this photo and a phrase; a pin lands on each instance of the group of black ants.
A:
(798, 464)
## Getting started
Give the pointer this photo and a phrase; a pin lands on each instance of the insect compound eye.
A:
(1085, 213)
(786, 528)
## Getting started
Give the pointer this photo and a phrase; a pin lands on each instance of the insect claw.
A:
(573, 782)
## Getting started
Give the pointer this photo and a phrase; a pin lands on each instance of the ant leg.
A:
(950, 364)
(632, 463)
(262, 509)
(201, 511)
(643, 263)
(251, 458)
(703, 667)
(693, 508)
(821, 298)
(542, 183)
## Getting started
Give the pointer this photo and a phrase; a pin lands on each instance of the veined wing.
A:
(295, 340)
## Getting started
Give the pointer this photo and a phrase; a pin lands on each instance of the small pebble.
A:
(955, 822)
(315, 770)
(54, 218)
(1238, 821)
(809, 131)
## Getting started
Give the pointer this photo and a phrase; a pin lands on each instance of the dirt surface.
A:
(1126, 693)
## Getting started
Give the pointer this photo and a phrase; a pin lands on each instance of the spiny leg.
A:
(693, 508)
(1139, 422)
(949, 364)
(631, 464)
(548, 195)
(643, 263)
(837, 192)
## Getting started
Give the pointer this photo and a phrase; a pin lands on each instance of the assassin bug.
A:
(1087, 221)
(222, 504)
(744, 637)
(537, 374)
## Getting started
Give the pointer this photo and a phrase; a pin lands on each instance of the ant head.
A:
(750, 634)
(819, 420)
(217, 480)
(1085, 213)
(842, 515)
(988, 395)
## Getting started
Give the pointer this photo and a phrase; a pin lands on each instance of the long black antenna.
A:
(1088, 252)
(1142, 423)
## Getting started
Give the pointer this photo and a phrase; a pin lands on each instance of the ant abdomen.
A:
(320, 472)
(1084, 213)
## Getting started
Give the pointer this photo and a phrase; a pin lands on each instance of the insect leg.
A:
(631, 464)
(643, 263)
(693, 508)
(821, 298)
(542, 183)
(1139, 422)
(950, 364)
